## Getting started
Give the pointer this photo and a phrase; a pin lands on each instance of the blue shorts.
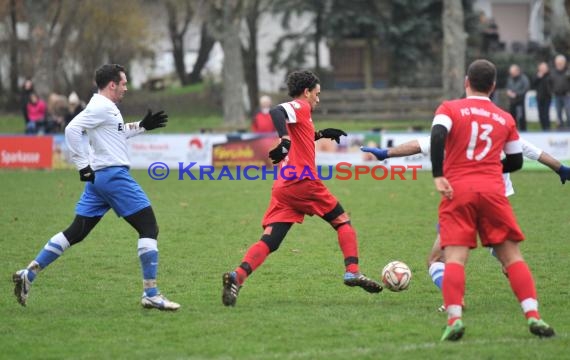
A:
(114, 188)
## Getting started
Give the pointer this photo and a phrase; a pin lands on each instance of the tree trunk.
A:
(232, 72)
(14, 68)
(40, 43)
(62, 82)
(454, 47)
(317, 41)
(177, 38)
(250, 57)
(207, 42)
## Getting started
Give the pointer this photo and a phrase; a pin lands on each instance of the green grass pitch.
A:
(86, 305)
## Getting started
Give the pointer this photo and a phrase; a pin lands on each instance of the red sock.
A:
(451, 320)
(254, 257)
(348, 246)
(522, 284)
(453, 288)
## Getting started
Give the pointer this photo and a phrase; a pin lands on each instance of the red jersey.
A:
(478, 132)
(262, 123)
(300, 163)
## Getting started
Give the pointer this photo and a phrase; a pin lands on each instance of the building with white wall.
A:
(519, 21)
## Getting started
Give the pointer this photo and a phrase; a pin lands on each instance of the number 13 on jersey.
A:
(479, 132)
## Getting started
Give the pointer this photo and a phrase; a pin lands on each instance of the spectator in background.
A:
(56, 112)
(541, 84)
(75, 107)
(490, 36)
(262, 122)
(560, 85)
(36, 112)
(27, 90)
(517, 86)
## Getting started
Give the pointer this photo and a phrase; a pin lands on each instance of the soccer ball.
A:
(396, 276)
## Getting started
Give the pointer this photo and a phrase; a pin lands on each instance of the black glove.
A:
(333, 134)
(564, 173)
(280, 151)
(87, 174)
(152, 121)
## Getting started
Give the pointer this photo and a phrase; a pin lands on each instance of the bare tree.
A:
(454, 47)
(207, 42)
(179, 14)
(51, 23)
(119, 34)
(299, 39)
(67, 42)
(43, 16)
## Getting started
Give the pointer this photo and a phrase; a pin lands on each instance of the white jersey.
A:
(107, 134)
(529, 151)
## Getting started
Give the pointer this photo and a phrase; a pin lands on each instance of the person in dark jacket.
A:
(541, 84)
(27, 90)
(517, 86)
(560, 86)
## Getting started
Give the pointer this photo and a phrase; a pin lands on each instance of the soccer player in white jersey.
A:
(436, 261)
(105, 169)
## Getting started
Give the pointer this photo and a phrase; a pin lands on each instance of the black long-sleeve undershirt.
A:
(279, 116)
(437, 147)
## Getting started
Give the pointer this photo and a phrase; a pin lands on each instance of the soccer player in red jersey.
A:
(473, 132)
(294, 196)
(436, 260)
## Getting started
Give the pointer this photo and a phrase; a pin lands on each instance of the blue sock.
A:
(31, 275)
(148, 255)
(46, 257)
(51, 251)
(436, 272)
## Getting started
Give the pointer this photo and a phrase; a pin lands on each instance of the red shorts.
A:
(291, 203)
(469, 213)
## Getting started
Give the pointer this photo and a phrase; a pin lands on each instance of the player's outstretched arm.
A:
(547, 159)
(533, 152)
(155, 120)
(556, 166)
(333, 134)
(406, 149)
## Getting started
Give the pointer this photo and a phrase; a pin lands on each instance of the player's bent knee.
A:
(337, 217)
(149, 231)
(508, 253)
(144, 223)
(436, 255)
(274, 234)
(80, 228)
(272, 243)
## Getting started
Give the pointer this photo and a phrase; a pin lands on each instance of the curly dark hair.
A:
(298, 81)
(107, 73)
